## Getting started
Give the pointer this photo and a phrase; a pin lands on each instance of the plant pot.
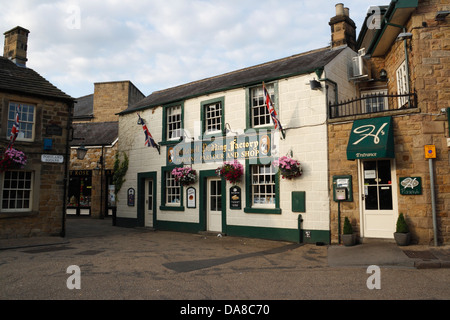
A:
(402, 239)
(349, 239)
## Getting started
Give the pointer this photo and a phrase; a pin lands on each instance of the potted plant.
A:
(231, 171)
(12, 159)
(289, 167)
(402, 235)
(348, 237)
(185, 175)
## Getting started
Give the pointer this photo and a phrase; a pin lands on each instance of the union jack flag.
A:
(149, 142)
(14, 129)
(271, 109)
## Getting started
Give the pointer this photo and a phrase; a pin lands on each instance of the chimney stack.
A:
(15, 47)
(343, 29)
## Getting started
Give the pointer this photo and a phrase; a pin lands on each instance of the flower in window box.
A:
(12, 159)
(231, 171)
(185, 176)
(289, 167)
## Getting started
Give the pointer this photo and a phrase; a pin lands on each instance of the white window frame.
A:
(171, 186)
(402, 84)
(258, 106)
(16, 188)
(23, 120)
(211, 115)
(260, 180)
(384, 102)
(171, 120)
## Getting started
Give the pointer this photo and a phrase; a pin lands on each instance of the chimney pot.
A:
(347, 12)
(339, 9)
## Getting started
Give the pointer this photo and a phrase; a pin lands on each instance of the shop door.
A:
(379, 200)
(214, 205)
(149, 202)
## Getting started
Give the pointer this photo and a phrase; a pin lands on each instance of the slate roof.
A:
(95, 133)
(23, 80)
(278, 69)
(84, 107)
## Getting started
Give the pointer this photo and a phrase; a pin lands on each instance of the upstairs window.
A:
(375, 101)
(402, 84)
(260, 115)
(26, 120)
(174, 123)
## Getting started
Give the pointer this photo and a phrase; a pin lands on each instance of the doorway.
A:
(378, 198)
(214, 205)
(149, 199)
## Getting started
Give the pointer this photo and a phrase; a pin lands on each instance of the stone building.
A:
(95, 126)
(225, 119)
(32, 196)
(379, 140)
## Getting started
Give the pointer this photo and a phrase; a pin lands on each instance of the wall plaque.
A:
(411, 186)
(235, 198)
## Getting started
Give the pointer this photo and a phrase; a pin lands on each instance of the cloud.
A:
(157, 44)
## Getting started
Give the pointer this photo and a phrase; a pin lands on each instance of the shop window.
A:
(17, 191)
(26, 120)
(262, 189)
(172, 191)
(259, 114)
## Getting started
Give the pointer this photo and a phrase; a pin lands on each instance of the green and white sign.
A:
(411, 186)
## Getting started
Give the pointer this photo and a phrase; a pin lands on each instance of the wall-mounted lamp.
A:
(383, 75)
(81, 152)
(441, 15)
(315, 85)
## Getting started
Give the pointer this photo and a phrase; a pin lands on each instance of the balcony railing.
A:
(373, 103)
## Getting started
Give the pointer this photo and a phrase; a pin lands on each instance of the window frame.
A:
(272, 86)
(165, 126)
(402, 78)
(30, 189)
(164, 205)
(264, 209)
(203, 106)
(21, 121)
(370, 93)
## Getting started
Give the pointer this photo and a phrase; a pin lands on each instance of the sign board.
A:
(131, 196)
(430, 152)
(235, 198)
(53, 130)
(343, 182)
(52, 158)
(191, 195)
(411, 186)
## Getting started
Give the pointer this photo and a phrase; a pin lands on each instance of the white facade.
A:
(302, 113)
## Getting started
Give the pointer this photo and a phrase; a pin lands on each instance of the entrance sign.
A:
(371, 139)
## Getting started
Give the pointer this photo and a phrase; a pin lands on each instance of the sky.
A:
(158, 44)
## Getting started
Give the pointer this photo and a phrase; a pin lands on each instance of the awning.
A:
(371, 139)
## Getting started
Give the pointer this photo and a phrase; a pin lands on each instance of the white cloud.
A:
(157, 44)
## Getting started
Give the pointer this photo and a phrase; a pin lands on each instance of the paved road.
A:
(134, 264)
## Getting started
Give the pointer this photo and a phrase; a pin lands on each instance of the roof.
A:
(24, 80)
(95, 133)
(84, 107)
(295, 65)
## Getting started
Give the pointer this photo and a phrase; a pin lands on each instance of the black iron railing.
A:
(373, 103)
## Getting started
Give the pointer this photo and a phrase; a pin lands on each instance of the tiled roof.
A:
(24, 80)
(95, 133)
(278, 69)
(84, 107)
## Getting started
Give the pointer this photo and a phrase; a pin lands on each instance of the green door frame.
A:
(203, 196)
(141, 177)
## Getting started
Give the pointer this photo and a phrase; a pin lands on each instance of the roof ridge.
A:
(244, 69)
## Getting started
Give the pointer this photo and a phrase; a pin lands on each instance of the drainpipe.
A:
(66, 169)
(448, 121)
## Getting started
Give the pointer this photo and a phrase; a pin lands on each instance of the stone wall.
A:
(48, 185)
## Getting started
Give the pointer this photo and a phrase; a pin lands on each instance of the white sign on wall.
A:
(52, 158)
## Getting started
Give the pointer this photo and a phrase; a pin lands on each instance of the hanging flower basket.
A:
(185, 176)
(12, 159)
(231, 171)
(289, 168)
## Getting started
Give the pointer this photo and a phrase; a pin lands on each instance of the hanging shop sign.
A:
(222, 149)
(411, 186)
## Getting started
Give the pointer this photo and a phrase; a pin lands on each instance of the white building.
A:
(220, 118)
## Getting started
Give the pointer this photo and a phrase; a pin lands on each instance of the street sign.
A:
(430, 152)
(52, 158)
